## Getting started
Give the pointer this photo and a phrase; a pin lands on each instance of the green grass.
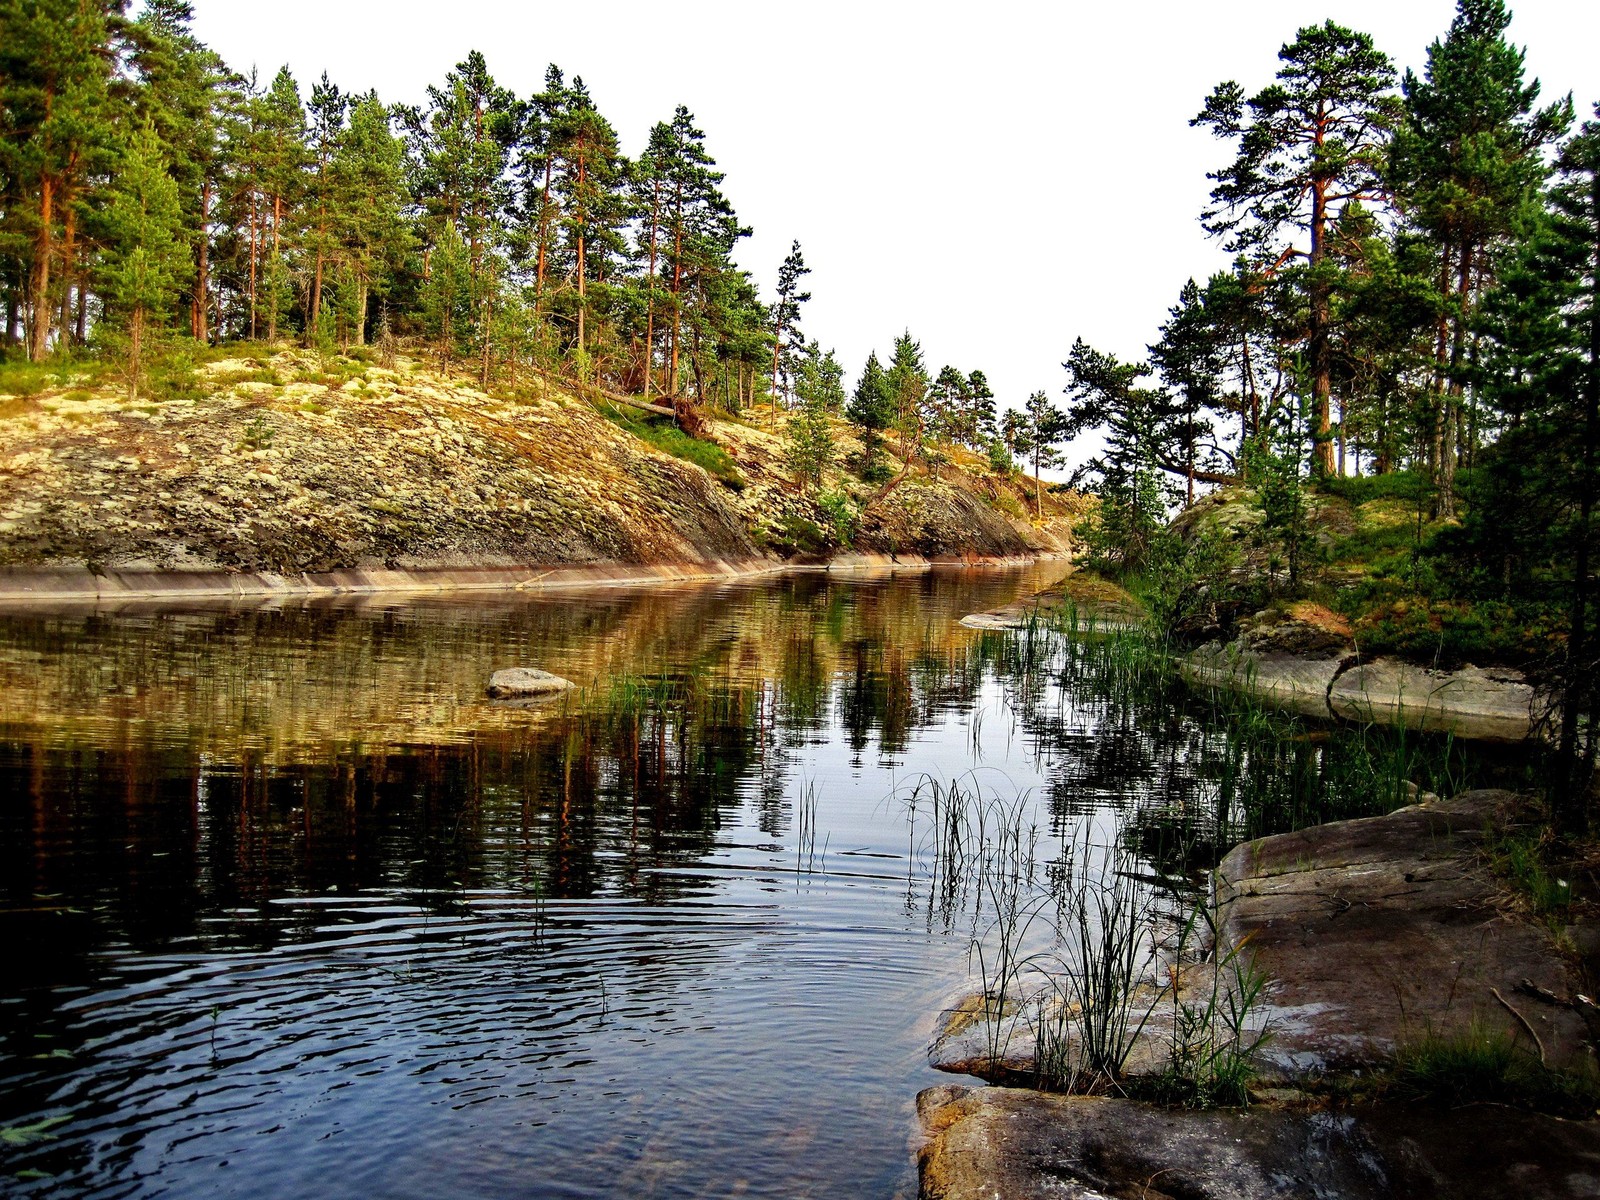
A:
(1401, 485)
(1481, 1065)
(1522, 859)
(669, 439)
(19, 377)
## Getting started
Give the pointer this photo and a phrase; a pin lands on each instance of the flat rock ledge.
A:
(1023, 1145)
(1374, 933)
(1488, 704)
(515, 683)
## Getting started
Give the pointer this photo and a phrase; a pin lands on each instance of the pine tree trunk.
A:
(253, 243)
(777, 345)
(69, 239)
(135, 349)
(361, 312)
(39, 298)
(544, 235)
(650, 290)
(677, 301)
(582, 265)
(202, 283)
(277, 226)
(1317, 343)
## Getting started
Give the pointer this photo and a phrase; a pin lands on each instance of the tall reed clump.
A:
(1089, 1015)
(1217, 1028)
(1069, 949)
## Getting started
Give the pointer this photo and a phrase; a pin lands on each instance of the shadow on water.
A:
(284, 898)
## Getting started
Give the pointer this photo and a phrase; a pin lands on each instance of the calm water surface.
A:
(289, 909)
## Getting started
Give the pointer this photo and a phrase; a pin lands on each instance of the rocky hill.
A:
(289, 462)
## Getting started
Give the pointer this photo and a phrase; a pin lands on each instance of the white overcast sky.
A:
(999, 178)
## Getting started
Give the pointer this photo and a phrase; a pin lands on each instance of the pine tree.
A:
(145, 248)
(1189, 359)
(281, 129)
(787, 341)
(55, 58)
(648, 180)
(1470, 161)
(979, 428)
(326, 111)
(183, 83)
(1543, 478)
(586, 146)
(1046, 428)
(1309, 143)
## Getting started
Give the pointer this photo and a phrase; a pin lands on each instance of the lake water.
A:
(289, 908)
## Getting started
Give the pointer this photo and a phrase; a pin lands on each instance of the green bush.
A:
(843, 517)
(1450, 633)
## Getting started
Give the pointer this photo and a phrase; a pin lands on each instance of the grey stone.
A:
(526, 681)
(1492, 704)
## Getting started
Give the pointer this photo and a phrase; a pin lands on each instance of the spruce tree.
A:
(145, 248)
(871, 411)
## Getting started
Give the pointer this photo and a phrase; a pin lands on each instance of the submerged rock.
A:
(515, 682)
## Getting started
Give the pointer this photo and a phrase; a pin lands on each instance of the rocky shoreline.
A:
(292, 471)
(25, 586)
(1374, 933)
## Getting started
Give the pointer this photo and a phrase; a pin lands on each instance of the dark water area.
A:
(289, 908)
